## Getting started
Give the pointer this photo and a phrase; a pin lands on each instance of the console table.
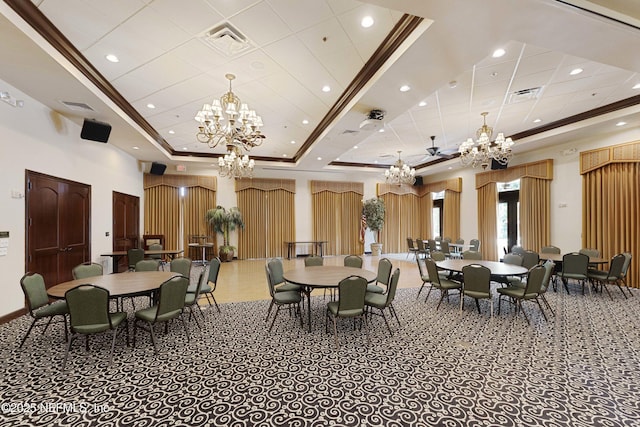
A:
(318, 246)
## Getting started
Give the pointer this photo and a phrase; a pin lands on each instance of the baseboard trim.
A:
(11, 316)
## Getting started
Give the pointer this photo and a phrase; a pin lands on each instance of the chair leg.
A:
(544, 299)
(66, 354)
(153, 338)
(113, 344)
(385, 321)
(395, 314)
(191, 314)
(366, 329)
(523, 312)
(443, 293)
(214, 301)
(29, 331)
(541, 310)
(184, 324)
(269, 310)
(478, 305)
(335, 331)
(275, 316)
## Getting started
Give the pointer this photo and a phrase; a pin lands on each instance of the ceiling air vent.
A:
(227, 40)
(349, 131)
(525, 95)
(76, 106)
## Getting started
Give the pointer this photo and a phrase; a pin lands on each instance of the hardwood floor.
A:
(245, 280)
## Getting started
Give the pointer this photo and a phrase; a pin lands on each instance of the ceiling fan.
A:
(435, 151)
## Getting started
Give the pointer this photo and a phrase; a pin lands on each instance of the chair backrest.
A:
(432, 270)
(214, 270)
(313, 260)
(530, 259)
(35, 291)
(410, 243)
(384, 271)
(433, 246)
(88, 308)
(86, 269)
(181, 266)
(590, 252)
(393, 285)
(199, 285)
(615, 267)
(471, 255)
(575, 263)
(517, 249)
(627, 262)
(460, 241)
(476, 278)
(447, 239)
(550, 250)
(351, 293)
(134, 255)
(437, 238)
(444, 247)
(171, 298)
(155, 247)
(275, 271)
(549, 268)
(270, 284)
(475, 245)
(420, 244)
(422, 268)
(353, 261)
(437, 256)
(535, 280)
(514, 259)
(147, 265)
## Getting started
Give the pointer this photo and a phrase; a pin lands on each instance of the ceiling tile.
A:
(301, 14)
(198, 17)
(261, 24)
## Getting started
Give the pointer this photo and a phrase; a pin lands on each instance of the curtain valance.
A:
(266, 184)
(337, 187)
(453, 184)
(622, 153)
(542, 169)
(178, 181)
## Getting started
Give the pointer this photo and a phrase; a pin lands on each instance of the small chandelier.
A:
(235, 165)
(485, 151)
(400, 173)
(242, 126)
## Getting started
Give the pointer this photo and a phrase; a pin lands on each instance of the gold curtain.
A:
(197, 201)
(451, 220)
(488, 220)
(162, 214)
(535, 213)
(402, 219)
(336, 219)
(611, 202)
(425, 205)
(269, 221)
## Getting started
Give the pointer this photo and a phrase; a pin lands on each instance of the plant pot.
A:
(376, 249)
(226, 256)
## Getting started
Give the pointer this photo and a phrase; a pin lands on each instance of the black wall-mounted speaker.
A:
(94, 130)
(157, 168)
(418, 180)
(497, 165)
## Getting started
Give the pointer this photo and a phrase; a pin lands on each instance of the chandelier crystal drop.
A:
(229, 121)
(235, 165)
(400, 173)
(483, 150)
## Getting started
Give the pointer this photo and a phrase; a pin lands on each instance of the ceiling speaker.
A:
(157, 168)
(94, 130)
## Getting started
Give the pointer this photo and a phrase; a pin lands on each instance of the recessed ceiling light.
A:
(172, 132)
(366, 22)
(375, 161)
(319, 158)
(404, 88)
(537, 120)
(355, 147)
(381, 130)
(576, 71)
(136, 148)
(621, 123)
(636, 86)
(326, 88)
(498, 53)
(112, 58)
(293, 142)
(151, 106)
(284, 155)
(184, 148)
(305, 122)
(422, 104)
(450, 167)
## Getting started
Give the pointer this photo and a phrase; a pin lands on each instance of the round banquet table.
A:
(497, 268)
(323, 276)
(119, 284)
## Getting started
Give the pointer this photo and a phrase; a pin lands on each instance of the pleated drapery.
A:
(488, 220)
(535, 213)
(268, 209)
(402, 220)
(336, 217)
(451, 220)
(197, 201)
(425, 204)
(611, 212)
(162, 214)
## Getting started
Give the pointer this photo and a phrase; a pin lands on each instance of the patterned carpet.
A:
(440, 368)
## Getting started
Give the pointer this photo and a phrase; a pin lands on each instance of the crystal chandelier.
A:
(485, 150)
(229, 121)
(400, 173)
(235, 165)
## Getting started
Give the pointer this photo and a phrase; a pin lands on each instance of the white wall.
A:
(37, 139)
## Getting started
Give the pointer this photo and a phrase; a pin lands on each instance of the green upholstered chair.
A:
(477, 285)
(424, 275)
(171, 299)
(444, 248)
(411, 247)
(530, 259)
(625, 268)
(384, 275)
(191, 298)
(513, 259)
(530, 292)
(575, 266)
(550, 250)
(208, 287)
(147, 265)
(437, 256)
(181, 266)
(613, 276)
(86, 269)
(350, 304)
(89, 314)
(432, 246)
(474, 255)
(289, 298)
(352, 261)
(422, 250)
(313, 260)
(550, 268)
(133, 256)
(517, 249)
(475, 245)
(444, 285)
(381, 302)
(277, 275)
(159, 258)
(35, 292)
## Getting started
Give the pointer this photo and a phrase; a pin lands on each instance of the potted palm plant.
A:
(224, 221)
(373, 211)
